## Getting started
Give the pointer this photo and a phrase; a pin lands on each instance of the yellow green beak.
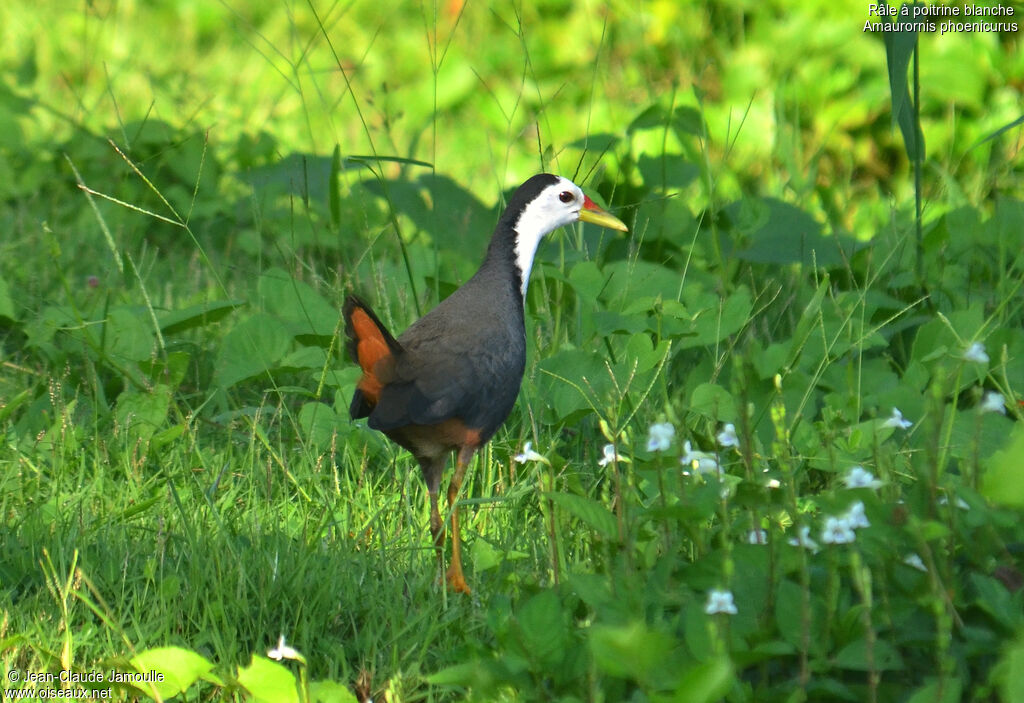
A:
(596, 216)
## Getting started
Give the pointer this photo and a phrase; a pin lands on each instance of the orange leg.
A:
(456, 580)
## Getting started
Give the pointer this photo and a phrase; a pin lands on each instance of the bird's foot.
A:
(456, 581)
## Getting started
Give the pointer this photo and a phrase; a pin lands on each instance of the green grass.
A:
(188, 191)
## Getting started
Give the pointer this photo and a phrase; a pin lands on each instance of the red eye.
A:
(566, 197)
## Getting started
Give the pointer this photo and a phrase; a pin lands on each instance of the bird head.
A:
(544, 203)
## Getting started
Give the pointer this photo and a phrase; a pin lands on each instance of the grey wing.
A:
(476, 382)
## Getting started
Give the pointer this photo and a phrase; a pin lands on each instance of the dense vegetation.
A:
(769, 446)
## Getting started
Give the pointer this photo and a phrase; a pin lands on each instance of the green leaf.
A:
(199, 315)
(633, 651)
(570, 381)
(542, 628)
(128, 334)
(587, 280)
(589, 511)
(713, 402)
(855, 656)
(252, 347)
(334, 187)
(951, 690)
(780, 233)
(298, 304)
(1008, 673)
(651, 117)
(319, 423)
(1005, 128)
(1003, 480)
(706, 682)
(269, 682)
(628, 280)
(994, 599)
(468, 674)
(168, 369)
(304, 358)
(688, 120)
(899, 48)
(180, 668)
(6, 303)
(667, 172)
(331, 692)
(789, 598)
(139, 414)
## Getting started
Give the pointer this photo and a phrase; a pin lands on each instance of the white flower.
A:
(727, 437)
(859, 477)
(897, 421)
(915, 561)
(757, 537)
(976, 353)
(960, 502)
(529, 455)
(855, 516)
(610, 455)
(993, 403)
(283, 651)
(837, 531)
(803, 539)
(696, 460)
(720, 602)
(659, 437)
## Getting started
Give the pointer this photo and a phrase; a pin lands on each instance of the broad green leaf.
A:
(706, 682)
(304, 358)
(789, 598)
(780, 233)
(1003, 479)
(713, 402)
(180, 668)
(1008, 673)
(594, 589)
(587, 280)
(633, 651)
(855, 656)
(951, 689)
(128, 333)
(331, 692)
(297, 304)
(627, 280)
(570, 381)
(651, 117)
(269, 681)
(139, 414)
(198, 315)
(252, 347)
(542, 628)
(467, 674)
(168, 369)
(589, 511)
(667, 172)
(319, 423)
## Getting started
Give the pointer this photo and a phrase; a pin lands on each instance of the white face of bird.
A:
(560, 204)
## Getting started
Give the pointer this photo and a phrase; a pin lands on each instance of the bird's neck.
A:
(512, 249)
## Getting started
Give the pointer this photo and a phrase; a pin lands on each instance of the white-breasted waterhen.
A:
(450, 380)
